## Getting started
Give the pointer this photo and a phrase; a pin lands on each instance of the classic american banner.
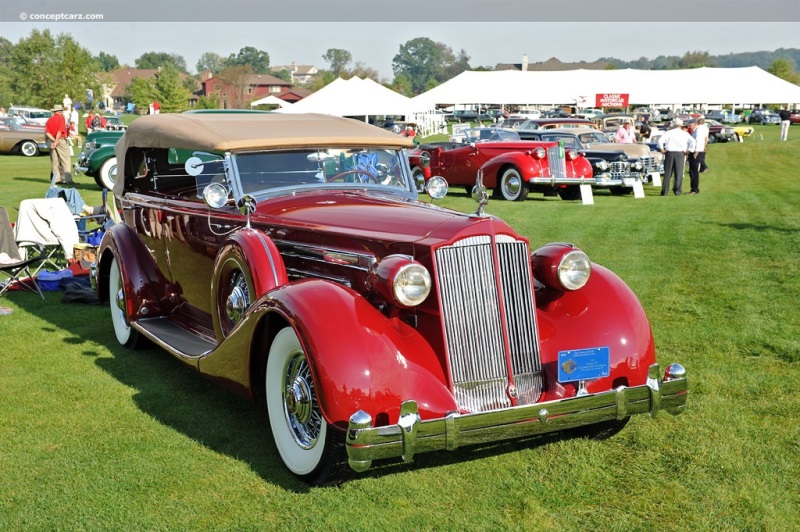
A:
(615, 99)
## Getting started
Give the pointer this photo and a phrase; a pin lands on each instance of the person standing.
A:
(56, 132)
(696, 157)
(625, 134)
(675, 144)
(785, 114)
(700, 134)
(644, 130)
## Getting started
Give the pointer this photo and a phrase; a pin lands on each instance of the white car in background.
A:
(526, 114)
(592, 113)
(32, 115)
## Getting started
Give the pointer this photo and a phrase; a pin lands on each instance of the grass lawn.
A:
(94, 436)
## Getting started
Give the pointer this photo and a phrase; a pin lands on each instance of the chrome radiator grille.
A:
(620, 170)
(477, 310)
(557, 162)
(649, 165)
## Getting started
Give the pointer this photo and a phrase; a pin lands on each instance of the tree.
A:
(283, 74)
(427, 63)
(236, 80)
(402, 85)
(161, 60)
(696, 59)
(784, 68)
(257, 60)
(211, 62)
(338, 59)
(6, 49)
(170, 92)
(363, 71)
(325, 77)
(106, 62)
(43, 68)
(142, 92)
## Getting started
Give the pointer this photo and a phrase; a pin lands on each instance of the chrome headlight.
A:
(574, 270)
(411, 285)
(561, 266)
(401, 279)
(602, 164)
(638, 165)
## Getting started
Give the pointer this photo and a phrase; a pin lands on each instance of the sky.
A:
(376, 43)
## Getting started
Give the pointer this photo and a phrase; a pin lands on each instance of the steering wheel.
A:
(371, 177)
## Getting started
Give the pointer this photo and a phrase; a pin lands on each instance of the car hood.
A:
(631, 150)
(355, 215)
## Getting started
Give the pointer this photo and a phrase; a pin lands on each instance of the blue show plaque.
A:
(583, 364)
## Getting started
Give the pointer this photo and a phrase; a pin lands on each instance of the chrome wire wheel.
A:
(306, 445)
(300, 408)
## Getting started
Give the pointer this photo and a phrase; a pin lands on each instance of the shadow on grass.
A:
(177, 397)
(758, 227)
(167, 390)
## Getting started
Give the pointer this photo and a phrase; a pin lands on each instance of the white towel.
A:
(46, 221)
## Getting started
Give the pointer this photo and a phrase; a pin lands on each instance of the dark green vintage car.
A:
(98, 159)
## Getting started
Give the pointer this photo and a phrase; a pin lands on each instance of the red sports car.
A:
(288, 259)
(512, 167)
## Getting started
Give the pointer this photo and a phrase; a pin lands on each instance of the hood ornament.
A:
(480, 194)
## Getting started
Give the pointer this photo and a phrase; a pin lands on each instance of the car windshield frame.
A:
(270, 173)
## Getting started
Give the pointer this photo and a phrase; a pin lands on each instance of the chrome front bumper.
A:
(79, 170)
(412, 435)
(552, 181)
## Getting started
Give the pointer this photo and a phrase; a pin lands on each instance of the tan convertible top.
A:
(221, 131)
(238, 131)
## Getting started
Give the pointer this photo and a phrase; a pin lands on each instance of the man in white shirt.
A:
(697, 158)
(675, 144)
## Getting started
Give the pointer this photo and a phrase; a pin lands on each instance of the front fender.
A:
(604, 313)
(98, 157)
(527, 166)
(361, 359)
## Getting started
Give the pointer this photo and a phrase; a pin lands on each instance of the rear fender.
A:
(362, 360)
(148, 293)
(604, 313)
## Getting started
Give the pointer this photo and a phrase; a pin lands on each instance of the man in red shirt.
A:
(56, 132)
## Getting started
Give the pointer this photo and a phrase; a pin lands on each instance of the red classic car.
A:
(286, 257)
(512, 167)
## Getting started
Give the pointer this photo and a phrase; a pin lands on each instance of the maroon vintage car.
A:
(512, 167)
(286, 257)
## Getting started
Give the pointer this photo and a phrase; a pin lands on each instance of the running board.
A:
(175, 339)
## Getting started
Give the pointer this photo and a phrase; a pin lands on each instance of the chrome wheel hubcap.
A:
(300, 404)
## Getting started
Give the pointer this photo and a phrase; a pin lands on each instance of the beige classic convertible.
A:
(18, 137)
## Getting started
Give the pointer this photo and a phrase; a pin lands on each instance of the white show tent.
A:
(365, 97)
(353, 97)
(270, 100)
(704, 86)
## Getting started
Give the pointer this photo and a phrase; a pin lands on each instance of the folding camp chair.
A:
(15, 269)
(47, 223)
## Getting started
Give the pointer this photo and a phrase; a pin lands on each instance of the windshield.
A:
(486, 134)
(263, 172)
